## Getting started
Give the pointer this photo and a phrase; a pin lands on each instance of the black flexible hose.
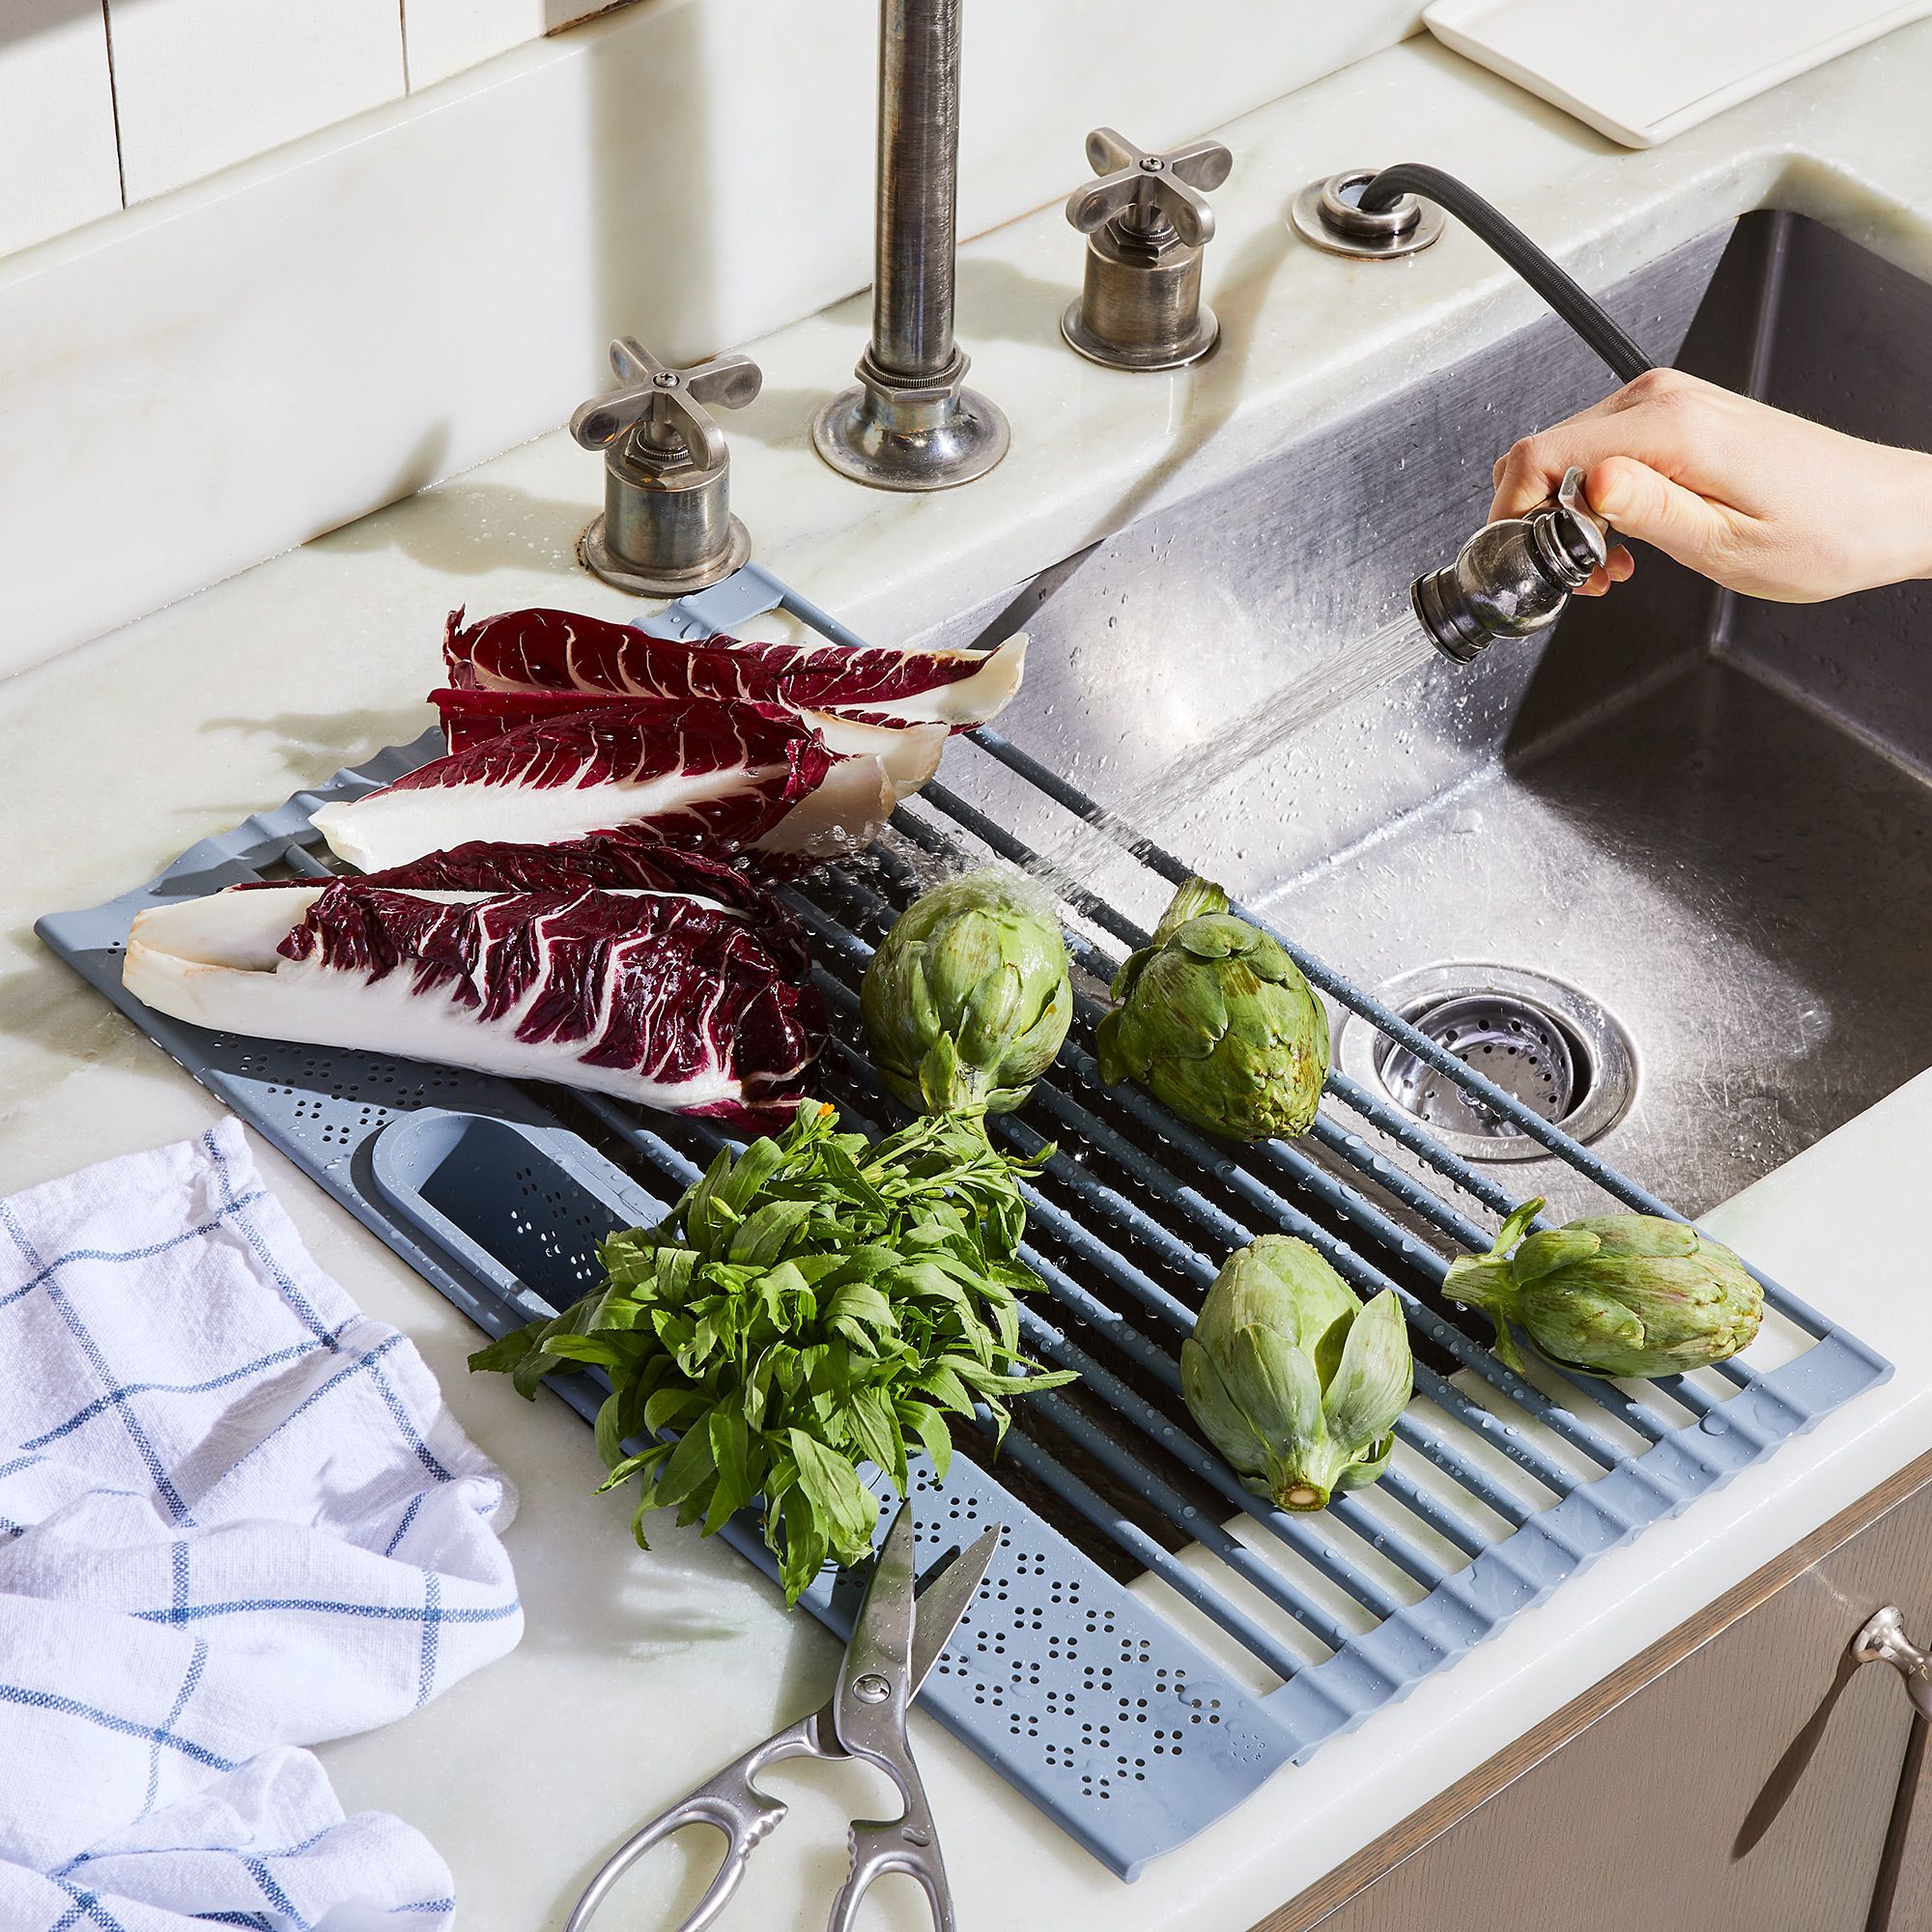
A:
(1563, 292)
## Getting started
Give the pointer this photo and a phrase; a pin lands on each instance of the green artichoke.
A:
(1215, 1020)
(967, 999)
(1293, 1381)
(1621, 1294)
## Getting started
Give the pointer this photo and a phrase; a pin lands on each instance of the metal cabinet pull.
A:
(1884, 1640)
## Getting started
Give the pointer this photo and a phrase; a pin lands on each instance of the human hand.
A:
(1755, 499)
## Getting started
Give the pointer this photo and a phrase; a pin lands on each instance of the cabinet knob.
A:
(1884, 1640)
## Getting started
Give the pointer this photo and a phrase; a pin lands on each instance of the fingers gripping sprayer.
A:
(1513, 579)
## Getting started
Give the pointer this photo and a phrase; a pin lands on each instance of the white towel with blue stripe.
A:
(236, 1519)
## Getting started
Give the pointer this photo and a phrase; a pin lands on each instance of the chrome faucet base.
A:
(1146, 220)
(1328, 214)
(891, 433)
(667, 525)
(595, 555)
(1198, 343)
(911, 424)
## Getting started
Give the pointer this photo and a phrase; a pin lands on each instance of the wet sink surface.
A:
(1713, 817)
(1766, 956)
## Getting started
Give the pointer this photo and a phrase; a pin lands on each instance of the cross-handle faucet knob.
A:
(667, 525)
(667, 408)
(1145, 221)
(1142, 191)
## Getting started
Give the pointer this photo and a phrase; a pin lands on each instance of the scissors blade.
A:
(881, 1640)
(946, 1599)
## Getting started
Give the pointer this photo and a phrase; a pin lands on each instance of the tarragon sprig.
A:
(817, 1303)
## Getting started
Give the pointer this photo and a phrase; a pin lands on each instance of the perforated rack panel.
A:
(1151, 1641)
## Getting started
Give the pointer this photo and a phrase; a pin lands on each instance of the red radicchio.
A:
(609, 859)
(558, 650)
(694, 773)
(681, 999)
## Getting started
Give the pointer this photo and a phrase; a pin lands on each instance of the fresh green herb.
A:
(817, 1303)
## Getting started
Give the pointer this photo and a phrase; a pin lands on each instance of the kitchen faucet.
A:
(911, 424)
(1512, 579)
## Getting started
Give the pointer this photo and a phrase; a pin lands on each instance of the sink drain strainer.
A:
(1506, 1039)
(1545, 1044)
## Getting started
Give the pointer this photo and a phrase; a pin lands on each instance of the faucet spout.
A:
(1513, 579)
(918, 189)
(911, 424)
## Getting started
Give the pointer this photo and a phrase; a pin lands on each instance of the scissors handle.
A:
(900, 1846)
(731, 1804)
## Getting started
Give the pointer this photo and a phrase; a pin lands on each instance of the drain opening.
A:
(1518, 1045)
(1546, 1044)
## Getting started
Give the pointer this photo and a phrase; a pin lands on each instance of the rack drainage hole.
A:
(1549, 1046)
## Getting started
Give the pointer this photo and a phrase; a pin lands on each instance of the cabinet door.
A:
(1902, 1901)
(1747, 1788)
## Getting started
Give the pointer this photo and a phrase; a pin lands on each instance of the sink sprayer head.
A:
(1513, 577)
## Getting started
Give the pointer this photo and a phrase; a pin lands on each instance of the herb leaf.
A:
(815, 1304)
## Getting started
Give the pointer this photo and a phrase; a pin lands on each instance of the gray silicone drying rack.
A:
(1134, 1715)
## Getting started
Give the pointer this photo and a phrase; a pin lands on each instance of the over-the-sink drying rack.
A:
(1151, 1641)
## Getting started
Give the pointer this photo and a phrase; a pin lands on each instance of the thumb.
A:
(1641, 504)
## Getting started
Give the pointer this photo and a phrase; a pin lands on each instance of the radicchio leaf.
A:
(696, 774)
(472, 717)
(609, 859)
(909, 752)
(558, 650)
(662, 998)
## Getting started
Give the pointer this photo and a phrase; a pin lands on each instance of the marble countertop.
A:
(641, 1674)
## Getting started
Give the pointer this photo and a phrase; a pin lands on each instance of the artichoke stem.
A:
(1480, 1284)
(1304, 1497)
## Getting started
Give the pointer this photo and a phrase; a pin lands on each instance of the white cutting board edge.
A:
(1459, 25)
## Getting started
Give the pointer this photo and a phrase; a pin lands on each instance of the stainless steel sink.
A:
(1696, 829)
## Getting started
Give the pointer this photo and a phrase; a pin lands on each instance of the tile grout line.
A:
(114, 101)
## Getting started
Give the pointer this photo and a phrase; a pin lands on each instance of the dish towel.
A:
(235, 1518)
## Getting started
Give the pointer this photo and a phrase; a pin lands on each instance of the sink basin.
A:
(1687, 836)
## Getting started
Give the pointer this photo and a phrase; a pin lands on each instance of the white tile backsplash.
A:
(285, 346)
(448, 36)
(57, 158)
(204, 83)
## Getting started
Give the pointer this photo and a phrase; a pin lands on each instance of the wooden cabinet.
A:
(1740, 1777)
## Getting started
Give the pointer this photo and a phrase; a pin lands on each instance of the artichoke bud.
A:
(1292, 1379)
(1217, 1022)
(1613, 1294)
(967, 999)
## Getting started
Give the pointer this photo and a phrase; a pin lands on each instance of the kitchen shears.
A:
(896, 1641)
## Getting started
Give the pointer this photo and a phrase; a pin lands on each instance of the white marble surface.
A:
(229, 369)
(641, 1674)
